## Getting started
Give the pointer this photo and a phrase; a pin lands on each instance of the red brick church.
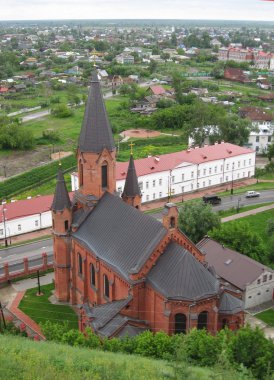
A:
(125, 270)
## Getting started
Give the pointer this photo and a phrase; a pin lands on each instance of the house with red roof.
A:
(156, 90)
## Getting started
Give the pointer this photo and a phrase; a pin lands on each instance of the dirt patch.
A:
(141, 133)
(57, 156)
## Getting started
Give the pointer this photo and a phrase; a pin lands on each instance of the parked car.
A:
(212, 199)
(252, 194)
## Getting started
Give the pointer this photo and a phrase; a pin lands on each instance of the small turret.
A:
(170, 216)
(132, 194)
(61, 222)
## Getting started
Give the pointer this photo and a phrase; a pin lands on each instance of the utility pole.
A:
(4, 221)
(2, 315)
(38, 281)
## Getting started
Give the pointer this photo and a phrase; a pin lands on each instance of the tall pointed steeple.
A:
(61, 198)
(132, 194)
(96, 133)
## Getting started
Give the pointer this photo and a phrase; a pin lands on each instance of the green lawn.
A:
(40, 309)
(267, 317)
(256, 186)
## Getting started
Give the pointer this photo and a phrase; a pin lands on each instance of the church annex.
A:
(125, 270)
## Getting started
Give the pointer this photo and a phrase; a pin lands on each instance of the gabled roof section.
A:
(230, 304)
(61, 197)
(229, 264)
(96, 133)
(131, 188)
(120, 235)
(178, 275)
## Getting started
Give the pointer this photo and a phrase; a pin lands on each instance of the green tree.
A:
(239, 236)
(61, 111)
(196, 219)
(270, 152)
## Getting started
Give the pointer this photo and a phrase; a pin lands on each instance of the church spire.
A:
(132, 194)
(61, 198)
(96, 133)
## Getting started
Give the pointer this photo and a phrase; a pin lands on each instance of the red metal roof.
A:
(170, 161)
(157, 90)
(27, 207)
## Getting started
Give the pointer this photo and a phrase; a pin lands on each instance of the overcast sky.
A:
(137, 9)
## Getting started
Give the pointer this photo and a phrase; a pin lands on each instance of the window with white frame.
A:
(140, 184)
(1, 232)
(227, 166)
(215, 169)
(204, 184)
(192, 186)
(120, 190)
(204, 171)
(192, 174)
(147, 197)
(221, 168)
(36, 223)
(238, 175)
(209, 182)
(239, 164)
(209, 170)
(249, 162)
(160, 181)
(198, 185)
(226, 178)
(183, 177)
(147, 185)
(154, 195)
(221, 179)
(198, 173)
(154, 183)
(173, 179)
(160, 194)
(19, 227)
(244, 162)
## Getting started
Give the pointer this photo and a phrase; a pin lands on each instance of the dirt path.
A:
(247, 213)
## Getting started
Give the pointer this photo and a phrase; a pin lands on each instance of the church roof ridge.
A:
(96, 133)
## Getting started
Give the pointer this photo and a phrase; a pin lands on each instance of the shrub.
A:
(61, 111)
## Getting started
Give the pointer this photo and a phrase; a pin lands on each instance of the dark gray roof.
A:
(178, 275)
(96, 133)
(131, 187)
(113, 325)
(130, 330)
(232, 266)
(61, 197)
(102, 314)
(230, 304)
(120, 235)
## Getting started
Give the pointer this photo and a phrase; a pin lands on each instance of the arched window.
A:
(172, 222)
(202, 320)
(92, 275)
(80, 264)
(104, 175)
(106, 286)
(180, 324)
(80, 174)
(66, 225)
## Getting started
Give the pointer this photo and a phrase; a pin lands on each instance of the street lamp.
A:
(238, 206)
(4, 221)
(231, 190)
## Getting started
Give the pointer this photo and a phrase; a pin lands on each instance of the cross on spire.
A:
(131, 148)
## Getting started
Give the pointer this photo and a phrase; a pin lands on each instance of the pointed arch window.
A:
(104, 169)
(80, 264)
(92, 275)
(80, 174)
(106, 286)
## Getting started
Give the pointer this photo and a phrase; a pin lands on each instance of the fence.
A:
(24, 267)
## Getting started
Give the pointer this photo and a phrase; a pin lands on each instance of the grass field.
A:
(267, 317)
(40, 309)
(23, 359)
(256, 186)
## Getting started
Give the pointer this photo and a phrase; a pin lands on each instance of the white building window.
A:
(147, 185)
(192, 186)
(226, 178)
(244, 162)
(160, 181)
(36, 223)
(147, 197)
(154, 195)
(192, 174)
(173, 179)
(221, 168)
(1, 232)
(140, 184)
(160, 194)
(239, 164)
(209, 170)
(249, 161)
(238, 175)
(209, 182)
(227, 166)
(153, 183)
(120, 190)
(221, 179)
(215, 169)
(198, 173)
(19, 227)
(204, 184)
(183, 177)
(198, 185)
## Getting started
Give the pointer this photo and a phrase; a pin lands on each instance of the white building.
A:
(25, 216)
(253, 280)
(261, 138)
(186, 171)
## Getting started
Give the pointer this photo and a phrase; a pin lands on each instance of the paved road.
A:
(233, 200)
